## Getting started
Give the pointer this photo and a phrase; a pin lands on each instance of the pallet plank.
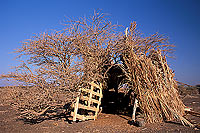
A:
(76, 109)
(95, 93)
(87, 107)
(95, 85)
(84, 117)
(90, 100)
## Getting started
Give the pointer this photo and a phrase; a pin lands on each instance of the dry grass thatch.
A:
(150, 77)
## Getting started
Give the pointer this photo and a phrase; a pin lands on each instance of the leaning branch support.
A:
(178, 116)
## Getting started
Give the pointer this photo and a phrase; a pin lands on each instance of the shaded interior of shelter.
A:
(116, 103)
(115, 100)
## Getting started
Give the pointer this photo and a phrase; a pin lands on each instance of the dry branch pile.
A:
(56, 64)
(153, 82)
(150, 77)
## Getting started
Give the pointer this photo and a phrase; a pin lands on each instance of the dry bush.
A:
(56, 64)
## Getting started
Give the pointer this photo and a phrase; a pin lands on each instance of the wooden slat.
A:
(95, 85)
(84, 117)
(86, 90)
(87, 117)
(90, 97)
(95, 93)
(92, 100)
(87, 108)
(76, 109)
(96, 113)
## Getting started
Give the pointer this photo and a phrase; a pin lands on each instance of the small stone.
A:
(140, 122)
(131, 122)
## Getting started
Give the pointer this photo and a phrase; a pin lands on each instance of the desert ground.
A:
(106, 122)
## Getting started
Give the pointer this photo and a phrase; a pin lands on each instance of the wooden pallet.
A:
(88, 103)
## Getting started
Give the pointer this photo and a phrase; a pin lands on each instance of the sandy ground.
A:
(104, 123)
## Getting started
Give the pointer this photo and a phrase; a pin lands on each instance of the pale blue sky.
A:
(178, 19)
